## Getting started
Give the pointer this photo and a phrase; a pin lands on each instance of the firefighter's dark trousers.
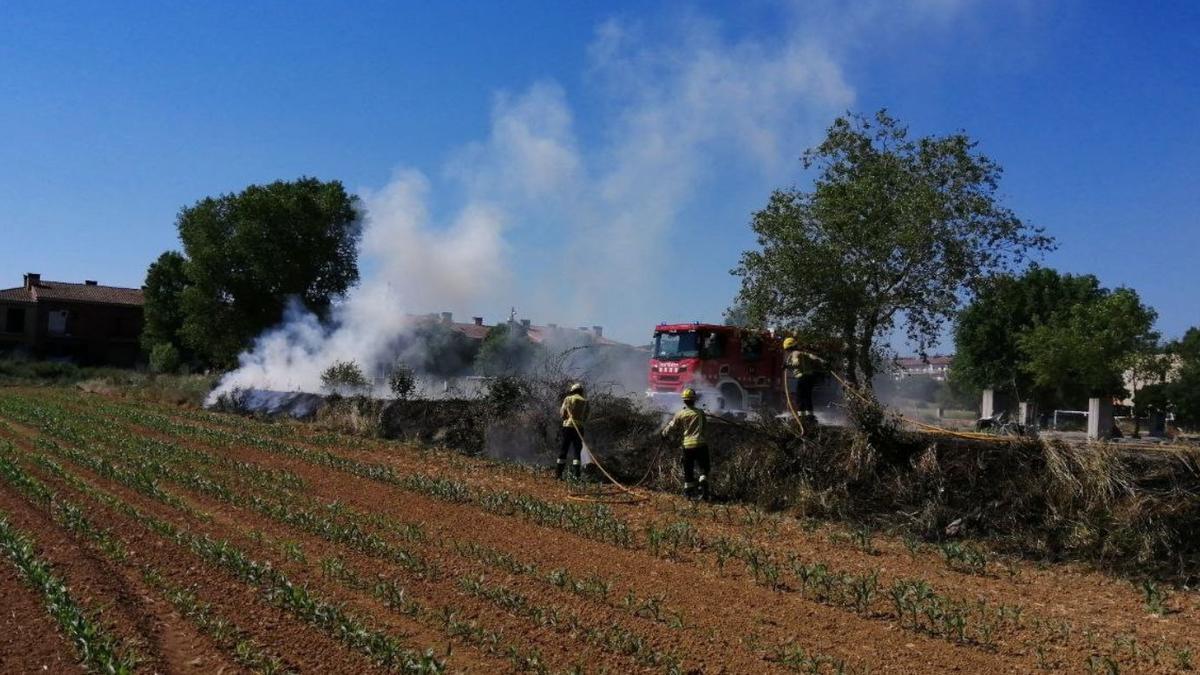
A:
(691, 484)
(802, 393)
(572, 444)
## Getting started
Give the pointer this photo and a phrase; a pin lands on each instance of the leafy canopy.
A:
(247, 253)
(163, 310)
(894, 231)
(1052, 338)
(1182, 391)
(506, 350)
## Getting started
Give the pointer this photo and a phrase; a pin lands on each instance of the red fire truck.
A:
(733, 369)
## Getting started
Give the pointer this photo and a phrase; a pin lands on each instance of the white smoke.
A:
(570, 226)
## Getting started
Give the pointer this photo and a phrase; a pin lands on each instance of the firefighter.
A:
(691, 420)
(574, 413)
(801, 377)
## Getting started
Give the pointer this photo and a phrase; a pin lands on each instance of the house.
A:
(552, 333)
(85, 323)
(936, 367)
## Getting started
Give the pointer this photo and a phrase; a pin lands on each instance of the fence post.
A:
(987, 407)
(1100, 419)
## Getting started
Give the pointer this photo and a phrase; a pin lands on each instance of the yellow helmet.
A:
(688, 394)
(788, 343)
(576, 388)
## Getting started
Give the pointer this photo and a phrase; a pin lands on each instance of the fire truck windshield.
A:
(677, 345)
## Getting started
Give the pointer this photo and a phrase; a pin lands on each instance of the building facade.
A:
(936, 367)
(85, 323)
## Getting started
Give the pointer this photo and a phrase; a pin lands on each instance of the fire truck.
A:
(733, 369)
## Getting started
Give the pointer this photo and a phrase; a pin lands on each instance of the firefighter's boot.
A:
(576, 469)
(558, 469)
(703, 488)
(691, 490)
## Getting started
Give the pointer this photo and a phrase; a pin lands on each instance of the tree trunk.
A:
(864, 352)
(851, 354)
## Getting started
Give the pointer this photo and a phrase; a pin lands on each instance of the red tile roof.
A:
(68, 292)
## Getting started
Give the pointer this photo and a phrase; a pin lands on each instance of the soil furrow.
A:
(747, 614)
(165, 642)
(299, 644)
(30, 641)
(686, 569)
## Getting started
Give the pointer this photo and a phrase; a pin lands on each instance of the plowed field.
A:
(188, 541)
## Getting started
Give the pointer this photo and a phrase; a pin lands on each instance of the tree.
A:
(894, 230)
(247, 253)
(1084, 350)
(435, 348)
(1182, 391)
(986, 331)
(163, 309)
(506, 350)
(1052, 338)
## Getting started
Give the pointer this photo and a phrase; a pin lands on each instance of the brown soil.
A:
(1073, 617)
(30, 640)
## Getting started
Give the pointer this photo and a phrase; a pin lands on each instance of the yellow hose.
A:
(974, 436)
(633, 494)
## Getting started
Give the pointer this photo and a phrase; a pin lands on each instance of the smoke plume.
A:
(569, 224)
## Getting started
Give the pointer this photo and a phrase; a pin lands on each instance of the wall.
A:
(10, 341)
(95, 334)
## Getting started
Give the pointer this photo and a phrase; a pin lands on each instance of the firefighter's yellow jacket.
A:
(574, 407)
(691, 421)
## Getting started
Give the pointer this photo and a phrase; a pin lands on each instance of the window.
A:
(14, 320)
(714, 346)
(676, 345)
(752, 347)
(57, 323)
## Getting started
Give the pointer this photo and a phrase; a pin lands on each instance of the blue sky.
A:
(587, 164)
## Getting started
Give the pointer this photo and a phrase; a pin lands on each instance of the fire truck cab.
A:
(732, 369)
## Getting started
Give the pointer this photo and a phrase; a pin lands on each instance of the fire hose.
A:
(635, 496)
(931, 428)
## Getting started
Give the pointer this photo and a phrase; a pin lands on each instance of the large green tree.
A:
(1051, 338)
(1084, 350)
(893, 232)
(163, 324)
(1182, 391)
(986, 331)
(248, 253)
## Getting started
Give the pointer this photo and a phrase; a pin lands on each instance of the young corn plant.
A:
(98, 648)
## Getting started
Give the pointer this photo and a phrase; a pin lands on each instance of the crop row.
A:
(613, 638)
(224, 632)
(629, 643)
(386, 591)
(397, 599)
(595, 521)
(98, 648)
(245, 649)
(275, 586)
(912, 602)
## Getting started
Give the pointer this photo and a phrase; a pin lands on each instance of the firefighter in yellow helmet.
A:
(801, 376)
(691, 421)
(574, 410)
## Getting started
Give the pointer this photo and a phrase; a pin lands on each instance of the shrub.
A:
(402, 382)
(344, 377)
(165, 358)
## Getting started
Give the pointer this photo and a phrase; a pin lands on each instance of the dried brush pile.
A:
(1118, 507)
